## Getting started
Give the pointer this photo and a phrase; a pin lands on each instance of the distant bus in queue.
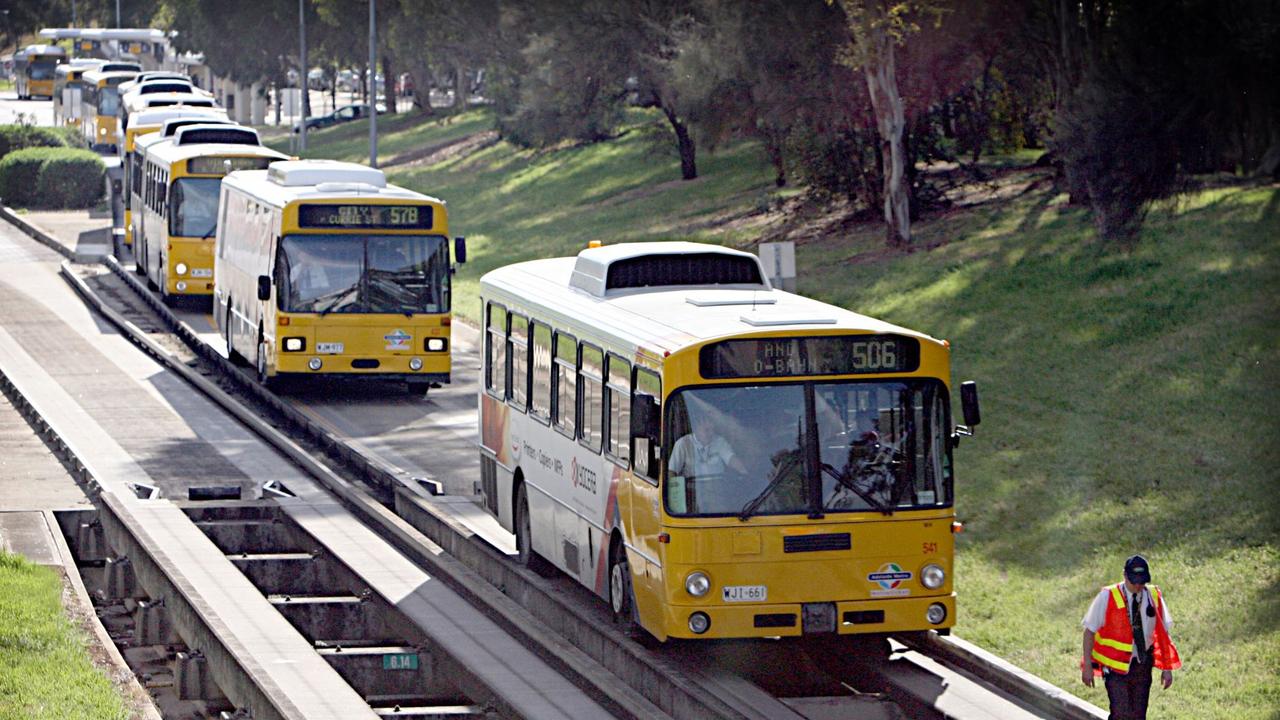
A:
(716, 458)
(66, 94)
(137, 103)
(322, 268)
(100, 105)
(146, 123)
(35, 67)
(181, 177)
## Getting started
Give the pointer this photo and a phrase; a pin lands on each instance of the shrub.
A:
(17, 137)
(55, 177)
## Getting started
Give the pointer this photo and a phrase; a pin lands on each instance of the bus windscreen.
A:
(363, 274)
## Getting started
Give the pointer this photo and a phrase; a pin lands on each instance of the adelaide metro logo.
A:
(889, 576)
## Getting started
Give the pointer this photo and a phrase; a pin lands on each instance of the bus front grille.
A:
(816, 543)
(365, 363)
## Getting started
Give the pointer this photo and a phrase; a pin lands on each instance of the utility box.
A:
(779, 260)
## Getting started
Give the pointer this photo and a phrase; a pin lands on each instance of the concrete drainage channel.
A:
(374, 648)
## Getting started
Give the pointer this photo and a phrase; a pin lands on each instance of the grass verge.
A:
(1129, 396)
(45, 671)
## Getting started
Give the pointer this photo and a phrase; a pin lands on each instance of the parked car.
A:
(346, 113)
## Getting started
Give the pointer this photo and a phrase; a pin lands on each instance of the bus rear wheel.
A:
(622, 596)
(264, 379)
(524, 536)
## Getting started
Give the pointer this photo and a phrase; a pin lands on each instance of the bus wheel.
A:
(263, 378)
(524, 536)
(622, 596)
(417, 388)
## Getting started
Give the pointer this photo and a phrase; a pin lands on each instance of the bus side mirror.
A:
(460, 249)
(969, 403)
(644, 418)
(264, 287)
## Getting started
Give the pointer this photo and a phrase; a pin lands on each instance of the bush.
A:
(17, 137)
(53, 177)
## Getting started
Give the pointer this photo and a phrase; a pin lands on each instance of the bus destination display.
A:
(224, 165)
(819, 355)
(382, 217)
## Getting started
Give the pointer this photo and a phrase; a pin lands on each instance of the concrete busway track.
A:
(53, 369)
(941, 677)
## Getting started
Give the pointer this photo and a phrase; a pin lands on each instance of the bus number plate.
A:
(201, 272)
(745, 593)
(329, 348)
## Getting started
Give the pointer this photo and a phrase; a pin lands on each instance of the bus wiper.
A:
(209, 234)
(843, 479)
(781, 473)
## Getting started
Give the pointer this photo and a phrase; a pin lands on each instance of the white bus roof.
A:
(167, 152)
(227, 134)
(141, 102)
(289, 180)
(172, 125)
(159, 116)
(96, 76)
(666, 317)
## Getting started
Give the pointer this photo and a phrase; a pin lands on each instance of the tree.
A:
(877, 28)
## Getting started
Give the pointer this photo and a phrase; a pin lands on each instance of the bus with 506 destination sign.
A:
(182, 178)
(717, 458)
(323, 268)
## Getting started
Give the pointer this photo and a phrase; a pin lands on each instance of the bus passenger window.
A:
(591, 392)
(563, 408)
(645, 456)
(540, 398)
(518, 351)
(618, 411)
(495, 356)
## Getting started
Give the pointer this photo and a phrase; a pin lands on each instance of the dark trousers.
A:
(1130, 691)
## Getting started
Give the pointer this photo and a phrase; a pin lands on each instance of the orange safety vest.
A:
(1113, 643)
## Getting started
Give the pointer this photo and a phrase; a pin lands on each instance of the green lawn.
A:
(44, 669)
(1129, 397)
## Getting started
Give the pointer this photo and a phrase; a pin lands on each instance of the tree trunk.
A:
(886, 102)
(420, 73)
(390, 76)
(684, 141)
(773, 140)
(461, 87)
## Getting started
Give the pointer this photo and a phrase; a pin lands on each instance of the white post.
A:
(302, 74)
(373, 83)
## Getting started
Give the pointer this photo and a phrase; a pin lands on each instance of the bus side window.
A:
(591, 397)
(617, 405)
(645, 456)
(540, 398)
(563, 408)
(518, 352)
(495, 354)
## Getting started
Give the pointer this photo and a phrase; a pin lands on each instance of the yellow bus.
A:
(34, 70)
(323, 268)
(714, 457)
(147, 122)
(100, 104)
(66, 94)
(181, 178)
(135, 103)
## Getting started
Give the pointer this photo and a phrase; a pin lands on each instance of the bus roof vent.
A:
(346, 187)
(627, 266)
(223, 134)
(298, 173)
(173, 125)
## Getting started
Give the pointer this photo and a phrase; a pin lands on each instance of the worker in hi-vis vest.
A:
(1126, 634)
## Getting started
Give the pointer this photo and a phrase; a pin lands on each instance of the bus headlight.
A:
(314, 363)
(295, 344)
(697, 584)
(415, 364)
(102, 131)
(699, 623)
(936, 613)
(436, 344)
(932, 576)
(180, 268)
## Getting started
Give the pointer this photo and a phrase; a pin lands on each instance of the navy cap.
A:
(1137, 571)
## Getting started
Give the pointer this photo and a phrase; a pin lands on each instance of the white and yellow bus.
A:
(716, 458)
(323, 268)
(34, 69)
(100, 106)
(66, 94)
(138, 103)
(181, 178)
(146, 123)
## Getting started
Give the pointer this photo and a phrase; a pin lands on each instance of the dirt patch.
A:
(440, 152)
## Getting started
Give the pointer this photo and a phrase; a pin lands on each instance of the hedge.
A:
(17, 137)
(51, 177)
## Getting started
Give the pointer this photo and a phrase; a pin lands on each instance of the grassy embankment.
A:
(44, 670)
(1129, 397)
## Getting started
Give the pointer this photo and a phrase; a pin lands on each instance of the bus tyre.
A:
(622, 596)
(266, 380)
(524, 536)
(417, 388)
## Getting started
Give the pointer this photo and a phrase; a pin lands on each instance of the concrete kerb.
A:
(36, 233)
(552, 648)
